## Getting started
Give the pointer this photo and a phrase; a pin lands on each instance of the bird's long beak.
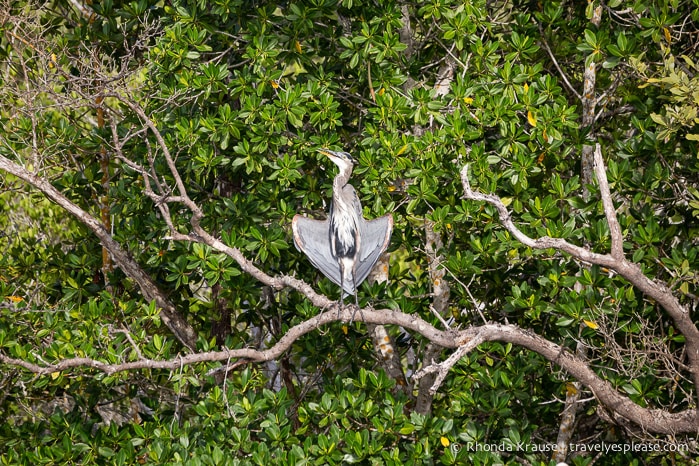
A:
(327, 152)
(334, 154)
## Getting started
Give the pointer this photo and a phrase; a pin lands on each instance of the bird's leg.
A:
(356, 300)
(340, 304)
(356, 307)
(342, 290)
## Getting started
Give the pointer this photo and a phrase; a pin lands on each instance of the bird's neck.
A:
(341, 181)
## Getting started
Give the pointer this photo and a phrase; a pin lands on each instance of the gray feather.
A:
(375, 235)
(312, 237)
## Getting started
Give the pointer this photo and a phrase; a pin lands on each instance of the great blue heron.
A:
(346, 246)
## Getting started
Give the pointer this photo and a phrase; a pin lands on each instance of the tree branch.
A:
(617, 247)
(629, 270)
(652, 420)
(429, 382)
(563, 76)
(184, 198)
(174, 321)
(616, 261)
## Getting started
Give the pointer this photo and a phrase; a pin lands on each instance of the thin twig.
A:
(558, 67)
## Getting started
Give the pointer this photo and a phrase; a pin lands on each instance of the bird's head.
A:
(342, 159)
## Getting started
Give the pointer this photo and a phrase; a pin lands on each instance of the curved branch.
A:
(382, 316)
(616, 261)
(652, 420)
(184, 198)
(175, 322)
(629, 270)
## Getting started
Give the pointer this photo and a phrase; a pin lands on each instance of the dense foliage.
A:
(243, 94)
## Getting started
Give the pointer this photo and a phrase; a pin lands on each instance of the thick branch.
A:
(383, 316)
(616, 261)
(589, 104)
(384, 344)
(177, 324)
(429, 382)
(652, 420)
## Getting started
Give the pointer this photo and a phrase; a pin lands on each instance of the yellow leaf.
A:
(668, 37)
(402, 149)
(591, 324)
(570, 389)
(15, 299)
(297, 46)
(684, 288)
(54, 375)
(444, 441)
(531, 118)
(345, 329)
(526, 87)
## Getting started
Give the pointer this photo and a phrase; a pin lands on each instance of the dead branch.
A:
(429, 381)
(177, 324)
(615, 261)
(623, 409)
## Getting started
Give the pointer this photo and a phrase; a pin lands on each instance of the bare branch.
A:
(651, 420)
(617, 247)
(544, 242)
(616, 261)
(184, 197)
(555, 63)
(384, 345)
(383, 316)
(443, 368)
(629, 270)
(84, 9)
(589, 104)
(177, 324)
(427, 385)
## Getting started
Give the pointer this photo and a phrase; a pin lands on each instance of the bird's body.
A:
(346, 246)
(344, 224)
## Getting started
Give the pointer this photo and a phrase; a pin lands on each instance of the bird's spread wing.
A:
(312, 238)
(374, 238)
